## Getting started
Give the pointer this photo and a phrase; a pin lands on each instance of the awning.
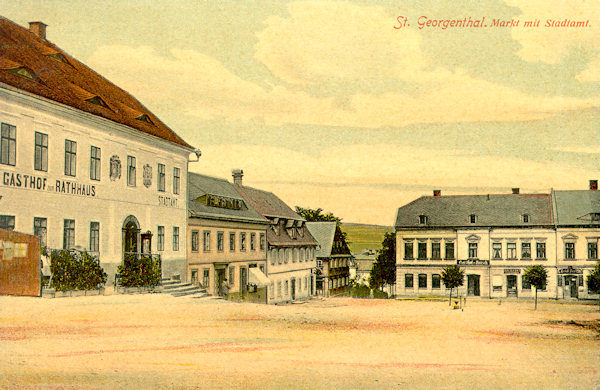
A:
(497, 281)
(258, 278)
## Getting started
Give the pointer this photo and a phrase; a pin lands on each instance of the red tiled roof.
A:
(70, 82)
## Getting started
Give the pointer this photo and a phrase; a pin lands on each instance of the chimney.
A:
(38, 28)
(437, 193)
(515, 191)
(594, 185)
(237, 176)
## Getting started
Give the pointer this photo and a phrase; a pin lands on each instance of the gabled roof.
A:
(34, 65)
(324, 233)
(577, 207)
(267, 203)
(199, 186)
(489, 210)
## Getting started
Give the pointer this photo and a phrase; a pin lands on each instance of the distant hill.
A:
(362, 236)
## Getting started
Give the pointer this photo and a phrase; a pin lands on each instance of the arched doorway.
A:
(131, 235)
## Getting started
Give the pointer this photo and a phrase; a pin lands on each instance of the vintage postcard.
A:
(299, 194)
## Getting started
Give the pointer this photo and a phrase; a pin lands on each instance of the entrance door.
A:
(573, 286)
(293, 289)
(194, 277)
(473, 285)
(220, 275)
(511, 285)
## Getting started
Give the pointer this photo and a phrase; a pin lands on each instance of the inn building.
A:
(82, 162)
(494, 238)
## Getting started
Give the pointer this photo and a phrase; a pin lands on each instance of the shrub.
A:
(75, 270)
(142, 272)
(360, 291)
(379, 294)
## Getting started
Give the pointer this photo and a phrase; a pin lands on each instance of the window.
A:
(524, 284)
(436, 252)
(7, 222)
(408, 251)
(422, 251)
(540, 249)
(205, 277)
(526, 250)
(449, 251)
(195, 240)
(220, 241)
(8, 144)
(206, 240)
(176, 180)
(294, 254)
(279, 289)
(472, 250)
(161, 177)
(40, 159)
(40, 229)
(69, 233)
(231, 241)
(497, 251)
(95, 163)
(511, 250)
(525, 218)
(231, 275)
(94, 236)
(592, 251)
(262, 241)
(252, 241)
(423, 219)
(422, 281)
(436, 281)
(131, 171)
(175, 238)
(70, 157)
(569, 250)
(242, 241)
(408, 280)
(287, 287)
(473, 218)
(273, 255)
(161, 239)
(301, 255)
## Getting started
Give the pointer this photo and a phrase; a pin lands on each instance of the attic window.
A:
(525, 218)
(97, 100)
(473, 218)
(24, 72)
(423, 219)
(595, 217)
(145, 118)
(59, 57)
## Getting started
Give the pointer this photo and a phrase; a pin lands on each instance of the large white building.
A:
(494, 238)
(82, 162)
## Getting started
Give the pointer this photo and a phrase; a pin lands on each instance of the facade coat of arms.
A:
(115, 168)
(147, 175)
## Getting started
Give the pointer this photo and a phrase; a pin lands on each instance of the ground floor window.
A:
(408, 280)
(422, 280)
(40, 229)
(287, 288)
(94, 236)
(436, 281)
(279, 289)
(231, 274)
(69, 233)
(524, 284)
(161, 238)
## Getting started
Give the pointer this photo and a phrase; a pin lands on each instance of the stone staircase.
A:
(180, 289)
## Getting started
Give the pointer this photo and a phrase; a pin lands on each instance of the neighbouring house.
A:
(82, 162)
(361, 265)
(494, 238)
(290, 246)
(226, 241)
(333, 258)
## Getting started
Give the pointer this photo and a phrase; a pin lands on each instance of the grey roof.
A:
(324, 233)
(490, 210)
(576, 207)
(199, 185)
(267, 203)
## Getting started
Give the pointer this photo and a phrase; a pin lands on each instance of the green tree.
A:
(316, 215)
(452, 277)
(593, 282)
(384, 267)
(537, 276)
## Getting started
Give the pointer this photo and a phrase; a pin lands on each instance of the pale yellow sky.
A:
(326, 104)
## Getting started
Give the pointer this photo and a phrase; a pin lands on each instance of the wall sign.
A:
(38, 183)
(570, 270)
(512, 270)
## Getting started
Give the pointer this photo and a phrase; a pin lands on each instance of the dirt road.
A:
(158, 341)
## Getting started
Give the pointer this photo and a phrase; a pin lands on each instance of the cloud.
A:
(552, 44)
